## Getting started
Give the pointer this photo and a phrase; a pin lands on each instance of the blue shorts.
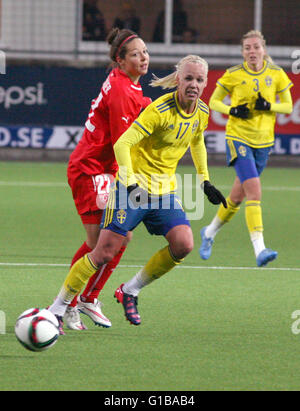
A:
(248, 162)
(159, 214)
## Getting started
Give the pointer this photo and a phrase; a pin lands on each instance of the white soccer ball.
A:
(37, 330)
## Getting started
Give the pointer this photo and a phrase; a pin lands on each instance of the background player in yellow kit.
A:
(253, 87)
(147, 155)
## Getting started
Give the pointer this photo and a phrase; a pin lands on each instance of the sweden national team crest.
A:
(243, 151)
(268, 81)
(195, 126)
(121, 216)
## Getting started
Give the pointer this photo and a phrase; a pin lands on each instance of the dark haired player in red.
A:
(92, 164)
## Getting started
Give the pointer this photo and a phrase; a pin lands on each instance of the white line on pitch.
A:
(32, 184)
(62, 184)
(190, 267)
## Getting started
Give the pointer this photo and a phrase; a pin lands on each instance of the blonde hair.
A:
(259, 35)
(170, 81)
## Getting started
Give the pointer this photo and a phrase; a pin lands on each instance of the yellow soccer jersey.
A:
(243, 85)
(167, 134)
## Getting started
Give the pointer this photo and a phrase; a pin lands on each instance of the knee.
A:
(182, 248)
(252, 188)
(187, 248)
(102, 256)
(181, 241)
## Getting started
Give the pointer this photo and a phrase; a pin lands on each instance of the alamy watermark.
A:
(153, 192)
(2, 322)
(295, 328)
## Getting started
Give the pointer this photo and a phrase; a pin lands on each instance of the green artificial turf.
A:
(221, 324)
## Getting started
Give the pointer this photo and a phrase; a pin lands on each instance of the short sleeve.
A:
(226, 82)
(148, 120)
(284, 82)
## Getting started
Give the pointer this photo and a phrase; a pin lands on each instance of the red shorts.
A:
(90, 194)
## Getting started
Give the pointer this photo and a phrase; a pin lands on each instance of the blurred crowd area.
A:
(74, 31)
(194, 21)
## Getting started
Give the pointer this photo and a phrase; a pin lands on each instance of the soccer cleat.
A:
(206, 246)
(60, 325)
(130, 305)
(93, 310)
(72, 319)
(265, 256)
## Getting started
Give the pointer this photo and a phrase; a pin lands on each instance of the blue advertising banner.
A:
(58, 137)
(46, 107)
(53, 96)
(67, 137)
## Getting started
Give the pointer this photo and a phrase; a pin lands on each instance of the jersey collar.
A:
(254, 73)
(180, 110)
(123, 74)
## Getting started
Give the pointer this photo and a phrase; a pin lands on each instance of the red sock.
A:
(84, 249)
(98, 280)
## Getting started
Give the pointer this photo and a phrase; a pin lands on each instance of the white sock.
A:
(134, 286)
(257, 239)
(214, 227)
(58, 307)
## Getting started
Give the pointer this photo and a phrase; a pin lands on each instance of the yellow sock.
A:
(158, 265)
(78, 276)
(255, 225)
(226, 214)
(254, 216)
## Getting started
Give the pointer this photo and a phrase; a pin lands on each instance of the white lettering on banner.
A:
(294, 117)
(65, 137)
(30, 137)
(23, 138)
(215, 141)
(295, 146)
(29, 96)
(277, 149)
(296, 64)
(4, 137)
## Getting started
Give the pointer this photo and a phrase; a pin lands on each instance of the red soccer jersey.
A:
(119, 103)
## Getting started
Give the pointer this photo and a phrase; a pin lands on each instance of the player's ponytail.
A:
(165, 82)
(259, 35)
(170, 81)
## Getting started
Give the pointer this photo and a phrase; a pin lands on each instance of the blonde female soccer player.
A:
(147, 155)
(253, 87)
(92, 164)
